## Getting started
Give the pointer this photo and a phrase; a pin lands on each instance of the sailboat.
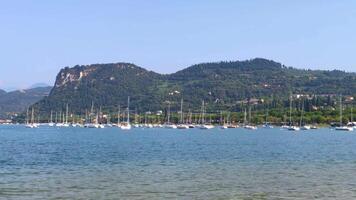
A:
(100, 116)
(60, 124)
(291, 127)
(341, 127)
(74, 122)
(127, 125)
(314, 126)
(97, 125)
(181, 125)
(248, 125)
(189, 120)
(284, 123)
(28, 124)
(223, 125)
(351, 123)
(267, 124)
(302, 125)
(32, 124)
(90, 124)
(51, 124)
(118, 116)
(229, 124)
(203, 124)
(169, 125)
(65, 124)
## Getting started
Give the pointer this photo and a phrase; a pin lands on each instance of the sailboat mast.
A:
(340, 111)
(128, 109)
(67, 114)
(181, 111)
(190, 117)
(100, 114)
(169, 112)
(91, 111)
(27, 116)
(118, 115)
(245, 116)
(290, 111)
(301, 113)
(136, 116)
(203, 113)
(249, 115)
(32, 116)
(351, 115)
(267, 110)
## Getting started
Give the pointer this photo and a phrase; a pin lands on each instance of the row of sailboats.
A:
(30, 123)
(303, 126)
(62, 120)
(201, 123)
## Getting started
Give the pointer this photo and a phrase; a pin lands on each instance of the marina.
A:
(183, 119)
(178, 100)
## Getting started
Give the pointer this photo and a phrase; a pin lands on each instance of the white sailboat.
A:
(65, 124)
(267, 124)
(203, 124)
(248, 125)
(60, 124)
(302, 125)
(223, 125)
(341, 127)
(32, 124)
(89, 118)
(127, 125)
(169, 125)
(181, 125)
(352, 123)
(291, 127)
(118, 116)
(51, 124)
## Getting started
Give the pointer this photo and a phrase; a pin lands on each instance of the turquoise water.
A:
(74, 163)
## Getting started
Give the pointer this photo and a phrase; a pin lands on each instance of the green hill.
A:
(15, 102)
(220, 84)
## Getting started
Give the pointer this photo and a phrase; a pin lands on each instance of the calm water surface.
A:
(74, 163)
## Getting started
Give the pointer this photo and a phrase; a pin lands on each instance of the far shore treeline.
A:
(259, 86)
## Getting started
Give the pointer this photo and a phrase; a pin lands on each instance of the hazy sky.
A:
(38, 38)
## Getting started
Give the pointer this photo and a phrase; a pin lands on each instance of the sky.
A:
(39, 37)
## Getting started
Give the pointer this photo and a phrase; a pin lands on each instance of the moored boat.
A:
(341, 127)
(293, 128)
(206, 126)
(127, 125)
(344, 128)
(182, 126)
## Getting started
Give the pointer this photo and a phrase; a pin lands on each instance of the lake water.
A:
(74, 163)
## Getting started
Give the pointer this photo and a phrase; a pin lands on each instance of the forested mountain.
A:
(12, 103)
(219, 84)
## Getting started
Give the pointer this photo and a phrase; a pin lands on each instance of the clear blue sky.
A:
(39, 37)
